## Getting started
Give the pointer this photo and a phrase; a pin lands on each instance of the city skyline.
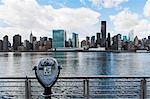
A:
(42, 16)
(59, 41)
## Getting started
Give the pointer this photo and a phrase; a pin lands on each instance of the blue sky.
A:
(80, 16)
(134, 5)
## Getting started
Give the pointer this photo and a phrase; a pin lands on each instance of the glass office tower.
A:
(59, 38)
(75, 40)
(103, 31)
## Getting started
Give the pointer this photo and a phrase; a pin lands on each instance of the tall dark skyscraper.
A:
(5, 43)
(87, 40)
(31, 38)
(98, 39)
(93, 41)
(98, 36)
(109, 41)
(16, 41)
(1, 45)
(103, 31)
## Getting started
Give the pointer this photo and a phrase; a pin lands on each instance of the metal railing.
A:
(105, 87)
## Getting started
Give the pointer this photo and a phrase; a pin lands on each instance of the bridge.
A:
(95, 87)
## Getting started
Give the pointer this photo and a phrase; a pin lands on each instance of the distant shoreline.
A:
(108, 51)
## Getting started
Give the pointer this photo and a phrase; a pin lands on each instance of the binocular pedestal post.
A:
(47, 93)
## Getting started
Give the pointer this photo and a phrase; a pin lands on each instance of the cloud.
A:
(126, 21)
(83, 2)
(24, 16)
(107, 3)
(147, 8)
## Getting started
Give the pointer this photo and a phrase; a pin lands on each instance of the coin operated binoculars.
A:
(47, 73)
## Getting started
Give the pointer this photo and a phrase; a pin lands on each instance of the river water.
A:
(18, 64)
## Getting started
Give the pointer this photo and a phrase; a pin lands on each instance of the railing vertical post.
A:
(143, 89)
(27, 89)
(86, 88)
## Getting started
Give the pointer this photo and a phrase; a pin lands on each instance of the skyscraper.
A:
(108, 41)
(59, 38)
(131, 35)
(26, 44)
(16, 41)
(119, 41)
(87, 41)
(31, 38)
(125, 39)
(1, 45)
(98, 40)
(75, 40)
(83, 43)
(50, 39)
(93, 41)
(70, 42)
(5, 43)
(136, 42)
(103, 31)
(36, 45)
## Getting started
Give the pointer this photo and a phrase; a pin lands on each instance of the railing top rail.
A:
(87, 77)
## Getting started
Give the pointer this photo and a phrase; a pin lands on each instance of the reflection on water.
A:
(77, 63)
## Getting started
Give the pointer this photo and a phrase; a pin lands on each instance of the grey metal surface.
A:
(47, 71)
(103, 87)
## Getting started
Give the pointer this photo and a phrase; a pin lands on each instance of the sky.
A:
(80, 16)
